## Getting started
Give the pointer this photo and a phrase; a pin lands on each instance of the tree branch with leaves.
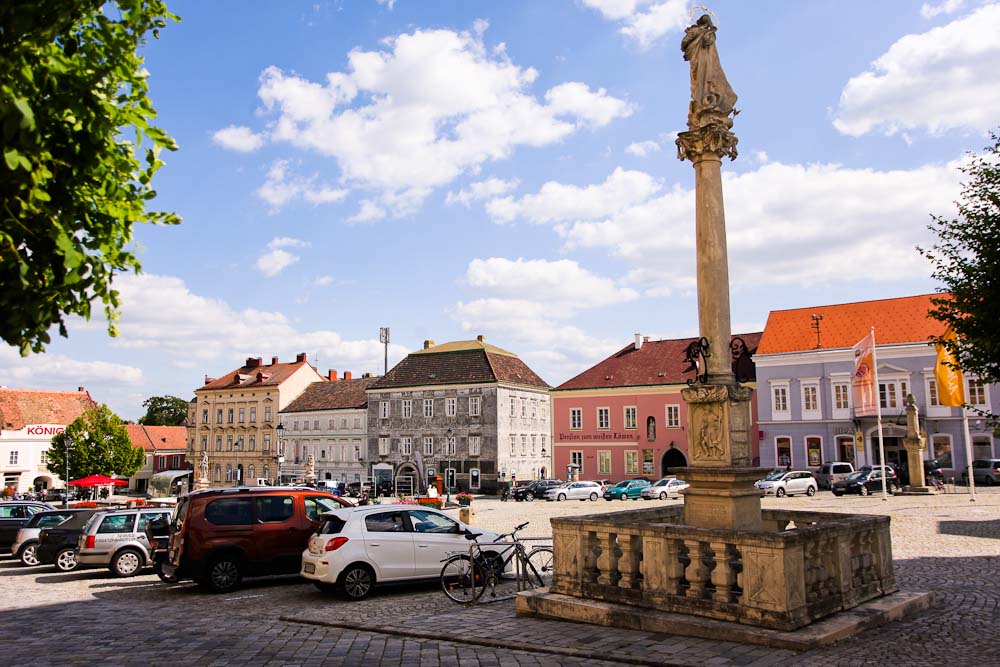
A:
(98, 444)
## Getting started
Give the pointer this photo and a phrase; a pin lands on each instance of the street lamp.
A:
(449, 473)
(544, 465)
(66, 491)
(280, 458)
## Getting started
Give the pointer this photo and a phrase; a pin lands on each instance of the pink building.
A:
(625, 417)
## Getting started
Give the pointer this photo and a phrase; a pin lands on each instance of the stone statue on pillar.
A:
(712, 98)
(202, 481)
(914, 444)
(310, 473)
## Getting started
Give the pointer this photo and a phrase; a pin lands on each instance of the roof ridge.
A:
(493, 369)
(855, 303)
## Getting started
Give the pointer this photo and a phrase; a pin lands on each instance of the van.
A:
(832, 472)
(220, 536)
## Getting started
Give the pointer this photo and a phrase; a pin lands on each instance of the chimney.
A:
(481, 338)
(274, 361)
(347, 375)
(209, 380)
(254, 362)
(333, 375)
(81, 389)
(366, 375)
(428, 344)
(300, 358)
(639, 341)
(645, 339)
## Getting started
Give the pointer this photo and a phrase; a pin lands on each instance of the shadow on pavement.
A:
(989, 529)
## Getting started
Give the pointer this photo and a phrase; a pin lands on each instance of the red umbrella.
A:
(98, 480)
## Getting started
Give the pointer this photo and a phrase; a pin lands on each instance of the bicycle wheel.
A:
(462, 582)
(541, 566)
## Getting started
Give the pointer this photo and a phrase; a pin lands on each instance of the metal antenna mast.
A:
(383, 337)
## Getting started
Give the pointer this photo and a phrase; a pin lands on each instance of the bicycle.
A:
(466, 575)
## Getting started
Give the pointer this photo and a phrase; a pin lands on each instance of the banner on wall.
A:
(863, 383)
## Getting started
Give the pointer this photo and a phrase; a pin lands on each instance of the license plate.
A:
(309, 568)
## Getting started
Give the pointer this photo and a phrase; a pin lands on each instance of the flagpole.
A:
(878, 415)
(968, 453)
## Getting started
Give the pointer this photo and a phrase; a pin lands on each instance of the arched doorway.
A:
(42, 482)
(406, 479)
(672, 458)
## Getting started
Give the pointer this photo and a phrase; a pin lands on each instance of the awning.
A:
(163, 484)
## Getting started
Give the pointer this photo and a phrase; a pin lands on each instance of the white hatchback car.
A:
(357, 547)
(668, 487)
(575, 491)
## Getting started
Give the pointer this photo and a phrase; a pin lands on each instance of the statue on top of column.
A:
(712, 98)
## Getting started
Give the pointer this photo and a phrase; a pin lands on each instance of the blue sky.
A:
(458, 168)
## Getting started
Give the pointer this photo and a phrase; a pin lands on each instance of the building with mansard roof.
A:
(469, 411)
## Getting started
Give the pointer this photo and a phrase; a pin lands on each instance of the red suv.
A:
(219, 536)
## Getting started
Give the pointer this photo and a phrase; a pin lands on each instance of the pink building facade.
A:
(626, 418)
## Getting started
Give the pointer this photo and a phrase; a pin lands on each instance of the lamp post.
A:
(449, 474)
(66, 492)
(544, 462)
(280, 458)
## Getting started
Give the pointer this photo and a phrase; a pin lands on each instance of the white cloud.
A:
(562, 285)
(238, 138)
(369, 212)
(946, 78)
(57, 371)
(281, 187)
(557, 202)
(787, 224)
(644, 21)
(491, 187)
(323, 281)
(430, 106)
(161, 314)
(387, 3)
(929, 11)
(642, 148)
(276, 259)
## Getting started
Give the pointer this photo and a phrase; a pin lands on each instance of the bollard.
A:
(466, 515)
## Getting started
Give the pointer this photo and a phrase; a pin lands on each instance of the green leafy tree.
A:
(75, 118)
(98, 445)
(966, 260)
(164, 411)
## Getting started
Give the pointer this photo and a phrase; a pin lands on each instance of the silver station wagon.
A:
(117, 540)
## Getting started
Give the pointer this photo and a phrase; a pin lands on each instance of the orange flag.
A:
(950, 384)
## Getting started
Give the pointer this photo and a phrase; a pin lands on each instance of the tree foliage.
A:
(75, 118)
(164, 411)
(98, 445)
(966, 260)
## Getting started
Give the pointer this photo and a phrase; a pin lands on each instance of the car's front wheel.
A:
(838, 493)
(357, 581)
(29, 554)
(66, 560)
(224, 574)
(529, 496)
(126, 563)
(663, 495)
(864, 490)
(561, 497)
(779, 492)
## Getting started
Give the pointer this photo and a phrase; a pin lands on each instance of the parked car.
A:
(984, 471)
(866, 482)
(57, 544)
(932, 468)
(890, 471)
(359, 547)
(605, 484)
(787, 482)
(833, 471)
(26, 542)
(535, 489)
(668, 487)
(117, 540)
(219, 536)
(575, 491)
(626, 489)
(14, 514)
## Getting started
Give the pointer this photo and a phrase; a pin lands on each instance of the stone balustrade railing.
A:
(801, 567)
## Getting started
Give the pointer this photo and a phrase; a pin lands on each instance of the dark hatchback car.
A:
(57, 545)
(864, 482)
(535, 489)
(13, 516)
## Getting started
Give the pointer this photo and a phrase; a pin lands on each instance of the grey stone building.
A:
(449, 410)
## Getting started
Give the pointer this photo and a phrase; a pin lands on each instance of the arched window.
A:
(218, 472)
(651, 429)
(267, 472)
(252, 473)
(229, 472)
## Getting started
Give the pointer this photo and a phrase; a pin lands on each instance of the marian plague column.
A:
(722, 494)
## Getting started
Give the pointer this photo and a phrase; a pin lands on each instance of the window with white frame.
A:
(631, 461)
(941, 449)
(253, 415)
(218, 443)
(534, 444)
(204, 416)
(229, 415)
(343, 424)
(630, 417)
(575, 419)
(841, 396)
(357, 452)
(576, 460)
(428, 445)
(13, 457)
(977, 392)
(544, 451)
(887, 395)
(513, 406)
(524, 445)
(513, 445)
(383, 409)
(450, 407)
(604, 462)
(474, 406)
(242, 415)
(603, 419)
(407, 408)
(673, 416)
(383, 446)
(357, 422)
(810, 400)
(779, 400)
(524, 407)
(305, 425)
(267, 413)
(267, 442)
(428, 407)
(406, 446)
(204, 442)
(534, 409)
(218, 416)
(932, 393)
(252, 446)
(452, 447)
(229, 443)
(473, 445)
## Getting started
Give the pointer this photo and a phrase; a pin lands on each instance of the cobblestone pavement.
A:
(944, 544)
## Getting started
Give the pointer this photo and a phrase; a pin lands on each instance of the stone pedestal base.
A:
(723, 497)
(201, 484)
(917, 491)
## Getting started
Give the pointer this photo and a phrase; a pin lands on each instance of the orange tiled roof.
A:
(901, 320)
(19, 407)
(158, 438)
(254, 373)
